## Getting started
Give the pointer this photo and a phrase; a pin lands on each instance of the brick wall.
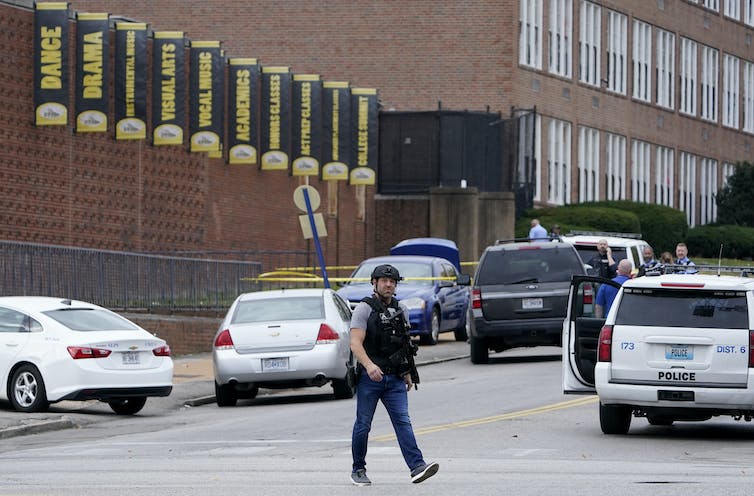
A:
(185, 334)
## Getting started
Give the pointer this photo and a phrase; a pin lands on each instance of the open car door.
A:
(581, 330)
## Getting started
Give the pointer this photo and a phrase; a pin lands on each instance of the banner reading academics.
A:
(243, 111)
(130, 80)
(364, 107)
(206, 96)
(51, 64)
(307, 124)
(168, 88)
(336, 116)
(276, 118)
(92, 72)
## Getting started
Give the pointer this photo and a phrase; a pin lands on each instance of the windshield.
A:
(683, 308)
(272, 309)
(91, 319)
(528, 266)
(413, 272)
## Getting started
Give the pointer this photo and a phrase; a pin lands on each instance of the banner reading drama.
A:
(206, 92)
(276, 118)
(168, 88)
(92, 72)
(51, 64)
(130, 80)
(364, 107)
(336, 116)
(307, 124)
(243, 111)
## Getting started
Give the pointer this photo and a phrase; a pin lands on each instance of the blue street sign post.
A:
(315, 234)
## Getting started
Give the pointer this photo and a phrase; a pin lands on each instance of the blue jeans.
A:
(392, 391)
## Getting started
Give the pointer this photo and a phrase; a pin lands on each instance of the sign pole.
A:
(316, 237)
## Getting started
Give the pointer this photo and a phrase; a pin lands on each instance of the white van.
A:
(622, 245)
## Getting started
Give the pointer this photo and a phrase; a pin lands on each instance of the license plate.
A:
(130, 358)
(274, 364)
(531, 303)
(679, 352)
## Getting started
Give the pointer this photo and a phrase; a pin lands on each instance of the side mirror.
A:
(463, 280)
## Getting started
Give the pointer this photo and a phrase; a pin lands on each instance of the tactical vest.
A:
(377, 343)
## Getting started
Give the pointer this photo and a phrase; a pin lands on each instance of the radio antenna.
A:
(720, 260)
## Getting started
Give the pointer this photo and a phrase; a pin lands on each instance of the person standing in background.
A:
(537, 232)
(607, 293)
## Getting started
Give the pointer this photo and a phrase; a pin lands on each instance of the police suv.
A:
(672, 347)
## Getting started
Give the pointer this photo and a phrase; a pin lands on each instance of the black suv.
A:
(520, 294)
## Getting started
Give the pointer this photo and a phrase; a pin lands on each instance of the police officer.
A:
(373, 342)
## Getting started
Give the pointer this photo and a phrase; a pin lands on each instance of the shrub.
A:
(579, 217)
(737, 241)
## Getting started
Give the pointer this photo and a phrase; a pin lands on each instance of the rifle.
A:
(403, 359)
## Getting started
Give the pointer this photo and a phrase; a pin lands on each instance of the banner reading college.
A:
(364, 107)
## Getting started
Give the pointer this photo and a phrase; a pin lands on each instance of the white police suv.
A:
(673, 347)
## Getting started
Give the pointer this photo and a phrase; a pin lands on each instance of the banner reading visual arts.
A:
(364, 126)
(307, 124)
(336, 111)
(92, 72)
(276, 118)
(243, 111)
(168, 87)
(206, 96)
(51, 64)
(130, 80)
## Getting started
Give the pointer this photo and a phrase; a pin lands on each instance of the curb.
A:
(37, 427)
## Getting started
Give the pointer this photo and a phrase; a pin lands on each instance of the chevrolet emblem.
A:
(274, 334)
(133, 348)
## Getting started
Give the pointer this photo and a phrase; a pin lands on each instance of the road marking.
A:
(496, 418)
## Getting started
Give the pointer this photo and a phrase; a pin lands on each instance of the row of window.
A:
(700, 93)
(644, 175)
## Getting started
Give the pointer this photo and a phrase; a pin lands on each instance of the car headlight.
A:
(414, 303)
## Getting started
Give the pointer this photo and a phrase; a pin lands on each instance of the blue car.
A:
(435, 292)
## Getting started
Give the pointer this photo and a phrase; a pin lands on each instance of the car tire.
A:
(659, 420)
(434, 329)
(345, 388)
(27, 390)
(127, 406)
(225, 395)
(479, 351)
(461, 333)
(615, 419)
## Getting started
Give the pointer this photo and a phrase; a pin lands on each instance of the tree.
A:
(734, 199)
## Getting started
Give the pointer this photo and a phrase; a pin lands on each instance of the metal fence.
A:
(137, 281)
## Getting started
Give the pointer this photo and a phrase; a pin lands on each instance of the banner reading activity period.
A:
(276, 118)
(130, 80)
(364, 108)
(51, 64)
(168, 88)
(206, 92)
(92, 72)
(336, 110)
(243, 111)
(307, 124)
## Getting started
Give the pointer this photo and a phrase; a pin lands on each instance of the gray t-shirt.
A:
(362, 312)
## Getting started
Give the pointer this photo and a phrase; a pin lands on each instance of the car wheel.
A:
(434, 330)
(127, 406)
(248, 394)
(615, 419)
(659, 420)
(27, 390)
(479, 351)
(345, 388)
(461, 332)
(225, 395)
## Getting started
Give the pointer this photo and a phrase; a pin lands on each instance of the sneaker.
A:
(359, 478)
(424, 472)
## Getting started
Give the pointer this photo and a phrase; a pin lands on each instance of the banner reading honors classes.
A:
(243, 110)
(276, 118)
(92, 72)
(307, 124)
(364, 108)
(336, 110)
(168, 88)
(130, 80)
(206, 92)
(51, 64)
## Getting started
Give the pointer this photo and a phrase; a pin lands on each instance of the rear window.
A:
(681, 308)
(528, 266)
(269, 309)
(587, 252)
(90, 319)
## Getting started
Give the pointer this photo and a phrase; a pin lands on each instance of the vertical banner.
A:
(243, 111)
(364, 107)
(130, 80)
(206, 91)
(51, 64)
(168, 88)
(276, 118)
(307, 124)
(92, 72)
(336, 129)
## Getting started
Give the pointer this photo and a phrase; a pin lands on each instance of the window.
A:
(688, 72)
(728, 170)
(615, 187)
(665, 68)
(559, 162)
(91, 319)
(589, 164)
(640, 172)
(664, 167)
(748, 101)
(733, 9)
(617, 41)
(707, 190)
(12, 321)
(530, 152)
(709, 84)
(712, 4)
(730, 90)
(687, 186)
(642, 43)
(589, 43)
(561, 27)
(749, 12)
(530, 37)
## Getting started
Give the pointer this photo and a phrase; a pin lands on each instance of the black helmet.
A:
(386, 270)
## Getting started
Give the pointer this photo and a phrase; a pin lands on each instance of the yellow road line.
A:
(497, 418)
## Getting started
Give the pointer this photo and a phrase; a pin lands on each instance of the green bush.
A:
(581, 218)
(662, 227)
(737, 241)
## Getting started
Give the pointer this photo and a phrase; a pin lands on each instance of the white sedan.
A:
(283, 339)
(53, 349)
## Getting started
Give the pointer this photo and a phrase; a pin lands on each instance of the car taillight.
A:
(79, 352)
(326, 334)
(588, 294)
(162, 351)
(476, 298)
(605, 344)
(751, 349)
(223, 341)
